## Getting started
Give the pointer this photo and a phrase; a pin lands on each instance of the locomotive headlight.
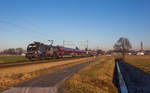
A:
(36, 52)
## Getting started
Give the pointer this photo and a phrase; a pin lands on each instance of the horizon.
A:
(102, 23)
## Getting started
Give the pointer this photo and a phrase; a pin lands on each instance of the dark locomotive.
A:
(39, 51)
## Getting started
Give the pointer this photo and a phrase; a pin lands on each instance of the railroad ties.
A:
(130, 79)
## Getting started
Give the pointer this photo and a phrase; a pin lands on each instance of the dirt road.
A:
(47, 83)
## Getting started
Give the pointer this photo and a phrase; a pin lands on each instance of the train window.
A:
(31, 47)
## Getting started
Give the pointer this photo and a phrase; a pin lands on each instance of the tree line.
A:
(12, 51)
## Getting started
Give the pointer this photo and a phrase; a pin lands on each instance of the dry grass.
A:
(95, 78)
(142, 62)
(13, 75)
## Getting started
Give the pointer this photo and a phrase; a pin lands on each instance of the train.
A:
(39, 51)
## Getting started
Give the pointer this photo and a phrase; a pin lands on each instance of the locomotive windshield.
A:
(31, 47)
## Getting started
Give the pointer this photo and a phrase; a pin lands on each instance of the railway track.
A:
(130, 79)
(12, 64)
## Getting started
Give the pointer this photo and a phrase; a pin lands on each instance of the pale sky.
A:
(101, 22)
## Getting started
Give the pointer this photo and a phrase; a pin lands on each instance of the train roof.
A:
(71, 49)
(67, 49)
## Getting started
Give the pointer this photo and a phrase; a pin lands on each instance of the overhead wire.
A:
(27, 29)
(43, 35)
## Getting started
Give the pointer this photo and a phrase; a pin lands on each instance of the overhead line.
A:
(25, 28)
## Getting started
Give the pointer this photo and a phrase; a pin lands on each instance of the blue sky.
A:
(101, 22)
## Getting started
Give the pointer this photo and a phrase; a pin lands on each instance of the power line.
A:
(26, 29)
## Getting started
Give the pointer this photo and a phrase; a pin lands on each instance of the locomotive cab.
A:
(32, 51)
(39, 50)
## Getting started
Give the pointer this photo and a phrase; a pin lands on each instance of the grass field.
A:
(6, 59)
(13, 75)
(142, 62)
(95, 78)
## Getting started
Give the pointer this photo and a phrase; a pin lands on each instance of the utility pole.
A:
(63, 43)
(97, 47)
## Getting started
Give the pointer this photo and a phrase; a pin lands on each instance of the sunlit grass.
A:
(142, 62)
(95, 78)
(13, 75)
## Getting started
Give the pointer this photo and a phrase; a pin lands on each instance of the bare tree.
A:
(123, 45)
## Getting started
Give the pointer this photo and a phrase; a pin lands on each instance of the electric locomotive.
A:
(38, 51)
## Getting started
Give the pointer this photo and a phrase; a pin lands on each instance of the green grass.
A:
(142, 62)
(6, 59)
(95, 78)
